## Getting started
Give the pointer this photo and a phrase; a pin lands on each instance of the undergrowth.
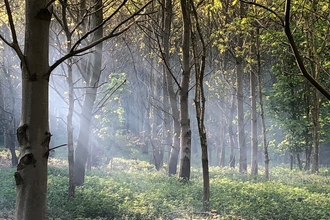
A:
(135, 190)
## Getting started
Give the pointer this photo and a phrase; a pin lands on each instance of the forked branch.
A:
(286, 24)
(112, 34)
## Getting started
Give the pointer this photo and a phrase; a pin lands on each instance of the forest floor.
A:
(133, 189)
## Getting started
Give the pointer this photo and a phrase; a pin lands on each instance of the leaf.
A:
(235, 2)
(218, 4)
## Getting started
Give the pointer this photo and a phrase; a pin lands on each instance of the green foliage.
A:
(135, 190)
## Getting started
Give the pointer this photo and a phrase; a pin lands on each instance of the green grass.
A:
(135, 190)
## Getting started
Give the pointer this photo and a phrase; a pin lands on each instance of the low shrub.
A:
(135, 190)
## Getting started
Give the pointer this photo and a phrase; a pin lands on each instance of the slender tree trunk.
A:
(299, 162)
(157, 152)
(8, 122)
(240, 116)
(231, 133)
(262, 114)
(222, 155)
(167, 133)
(33, 132)
(175, 143)
(69, 124)
(71, 191)
(240, 103)
(81, 152)
(308, 153)
(200, 102)
(316, 131)
(254, 140)
(8, 104)
(185, 134)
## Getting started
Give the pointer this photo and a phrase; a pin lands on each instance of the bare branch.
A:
(167, 65)
(49, 3)
(11, 22)
(97, 27)
(112, 34)
(62, 145)
(14, 44)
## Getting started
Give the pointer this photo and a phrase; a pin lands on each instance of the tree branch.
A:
(14, 44)
(286, 24)
(112, 34)
(297, 55)
(266, 8)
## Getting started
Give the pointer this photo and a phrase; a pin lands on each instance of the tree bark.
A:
(157, 154)
(231, 133)
(240, 122)
(81, 152)
(262, 112)
(254, 140)
(200, 105)
(185, 132)
(240, 103)
(71, 191)
(175, 148)
(33, 133)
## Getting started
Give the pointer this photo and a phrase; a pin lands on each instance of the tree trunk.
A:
(185, 133)
(316, 131)
(33, 133)
(8, 122)
(157, 149)
(81, 152)
(254, 140)
(299, 162)
(231, 133)
(200, 104)
(240, 102)
(240, 122)
(69, 125)
(262, 113)
(222, 156)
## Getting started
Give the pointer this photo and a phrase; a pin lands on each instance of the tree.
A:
(185, 132)
(169, 78)
(199, 64)
(240, 100)
(33, 133)
(92, 81)
(311, 73)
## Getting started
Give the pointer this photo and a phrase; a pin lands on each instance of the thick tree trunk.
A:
(81, 152)
(185, 132)
(33, 133)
